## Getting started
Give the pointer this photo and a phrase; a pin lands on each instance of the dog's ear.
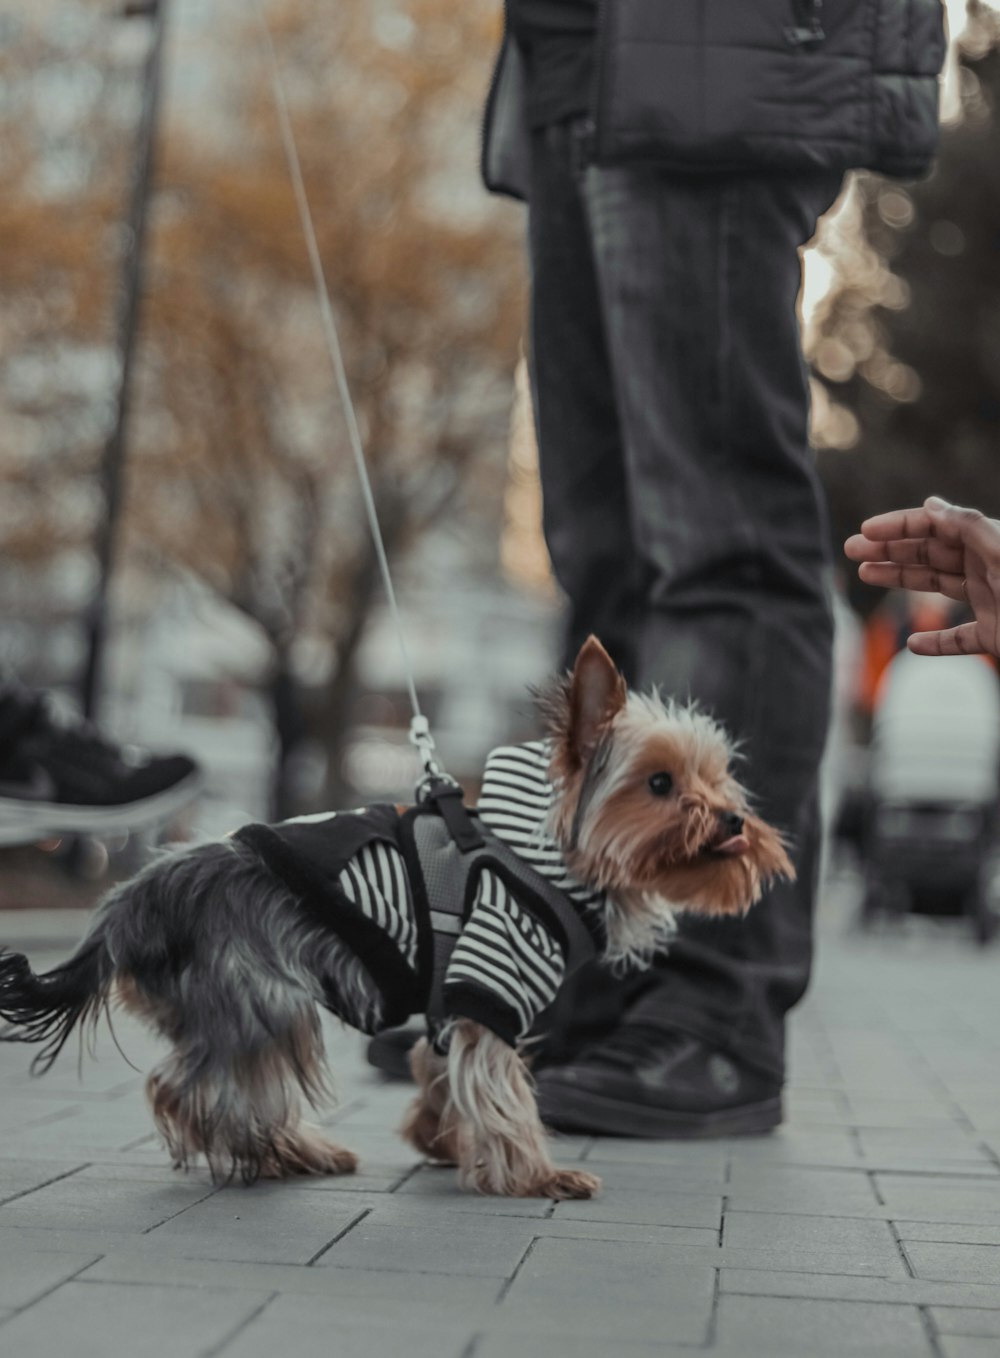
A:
(597, 693)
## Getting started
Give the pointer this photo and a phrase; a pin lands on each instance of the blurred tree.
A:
(239, 468)
(907, 346)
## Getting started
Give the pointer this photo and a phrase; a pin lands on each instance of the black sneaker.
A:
(64, 778)
(389, 1051)
(644, 1081)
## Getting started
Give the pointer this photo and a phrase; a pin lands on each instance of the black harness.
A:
(446, 846)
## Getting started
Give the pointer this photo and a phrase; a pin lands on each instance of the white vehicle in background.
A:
(931, 834)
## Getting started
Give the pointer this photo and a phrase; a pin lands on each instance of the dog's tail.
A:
(46, 1008)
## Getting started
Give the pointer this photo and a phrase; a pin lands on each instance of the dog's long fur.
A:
(217, 956)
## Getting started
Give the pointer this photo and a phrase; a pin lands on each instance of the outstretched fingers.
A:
(930, 552)
(898, 523)
(962, 640)
(888, 575)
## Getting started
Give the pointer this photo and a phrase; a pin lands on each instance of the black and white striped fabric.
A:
(506, 964)
(376, 881)
(505, 951)
(503, 948)
(516, 801)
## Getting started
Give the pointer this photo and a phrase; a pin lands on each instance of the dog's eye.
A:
(661, 784)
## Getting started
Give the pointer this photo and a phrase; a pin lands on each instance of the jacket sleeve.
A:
(506, 144)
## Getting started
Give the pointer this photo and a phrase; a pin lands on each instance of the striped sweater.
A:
(505, 961)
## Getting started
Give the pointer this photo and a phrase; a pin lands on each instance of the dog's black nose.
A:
(731, 822)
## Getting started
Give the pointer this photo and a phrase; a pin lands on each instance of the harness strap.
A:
(450, 801)
(447, 875)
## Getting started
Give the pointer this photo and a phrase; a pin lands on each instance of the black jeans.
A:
(685, 524)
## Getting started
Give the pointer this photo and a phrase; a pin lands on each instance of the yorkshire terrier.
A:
(583, 844)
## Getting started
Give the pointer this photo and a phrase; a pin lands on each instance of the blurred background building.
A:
(246, 621)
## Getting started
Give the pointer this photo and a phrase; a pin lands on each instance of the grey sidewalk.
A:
(870, 1225)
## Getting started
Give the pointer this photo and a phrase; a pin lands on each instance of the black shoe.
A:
(389, 1052)
(648, 1082)
(64, 778)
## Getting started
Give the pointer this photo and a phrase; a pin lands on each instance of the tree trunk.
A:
(332, 712)
(290, 729)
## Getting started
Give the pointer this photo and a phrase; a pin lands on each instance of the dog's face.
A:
(647, 806)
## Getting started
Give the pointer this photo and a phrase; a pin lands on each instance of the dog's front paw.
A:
(306, 1151)
(340, 1161)
(570, 1183)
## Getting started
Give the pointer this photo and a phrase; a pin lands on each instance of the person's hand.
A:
(942, 548)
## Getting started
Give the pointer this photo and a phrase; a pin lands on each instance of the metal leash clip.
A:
(434, 776)
(446, 794)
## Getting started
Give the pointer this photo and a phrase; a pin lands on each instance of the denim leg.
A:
(587, 519)
(698, 280)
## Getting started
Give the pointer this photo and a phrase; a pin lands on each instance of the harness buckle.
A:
(449, 799)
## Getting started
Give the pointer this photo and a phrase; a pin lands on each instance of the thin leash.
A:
(420, 733)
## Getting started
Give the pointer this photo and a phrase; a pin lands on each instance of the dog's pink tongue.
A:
(739, 844)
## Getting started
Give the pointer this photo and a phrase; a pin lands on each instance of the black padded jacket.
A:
(745, 85)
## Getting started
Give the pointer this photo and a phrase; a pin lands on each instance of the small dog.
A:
(583, 844)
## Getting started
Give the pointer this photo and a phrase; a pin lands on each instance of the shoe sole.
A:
(29, 822)
(390, 1060)
(570, 1109)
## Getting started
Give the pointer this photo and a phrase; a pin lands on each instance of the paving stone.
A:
(701, 1179)
(417, 1297)
(408, 1209)
(973, 1200)
(90, 1321)
(860, 1240)
(569, 1224)
(261, 1223)
(89, 1127)
(794, 1189)
(75, 1203)
(368, 1178)
(980, 1169)
(667, 1154)
(891, 1144)
(703, 1238)
(26, 1275)
(956, 1263)
(892, 1059)
(623, 1291)
(965, 1346)
(981, 1109)
(440, 1186)
(792, 1258)
(94, 1241)
(153, 1171)
(22, 1176)
(900, 1114)
(20, 1116)
(794, 1146)
(570, 1346)
(845, 1287)
(650, 1207)
(948, 1233)
(43, 1094)
(967, 1321)
(774, 1327)
(813, 1105)
(309, 1326)
(487, 1246)
(360, 1339)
